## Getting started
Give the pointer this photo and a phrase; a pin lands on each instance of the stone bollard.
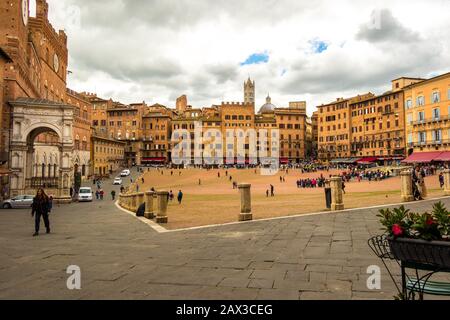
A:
(407, 188)
(161, 216)
(447, 182)
(149, 213)
(337, 202)
(246, 202)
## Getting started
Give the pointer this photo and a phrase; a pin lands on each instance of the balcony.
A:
(35, 183)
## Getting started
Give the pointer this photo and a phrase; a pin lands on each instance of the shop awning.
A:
(367, 160)
(350, 160)
(423, 157)
(338, 160)
(444, 156)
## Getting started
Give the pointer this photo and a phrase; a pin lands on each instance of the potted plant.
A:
(419, 238)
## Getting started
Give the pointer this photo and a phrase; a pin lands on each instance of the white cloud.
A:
(156, 50)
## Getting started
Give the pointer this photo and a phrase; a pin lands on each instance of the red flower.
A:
(430, 221)
(397, 230)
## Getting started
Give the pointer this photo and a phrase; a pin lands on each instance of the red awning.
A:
(444, 156)
(423, 157)
(367, 160)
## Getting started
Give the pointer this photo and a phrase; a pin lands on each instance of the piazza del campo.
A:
(272, 196)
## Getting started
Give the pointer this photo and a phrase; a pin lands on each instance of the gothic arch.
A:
(37, 165)
(31, 132)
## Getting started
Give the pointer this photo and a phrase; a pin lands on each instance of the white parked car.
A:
(125, 173)
(117, 181)
(18, 202)
(85, 195)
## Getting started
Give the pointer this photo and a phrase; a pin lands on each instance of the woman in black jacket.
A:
(40, 207)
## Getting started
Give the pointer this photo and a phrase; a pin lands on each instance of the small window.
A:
(436, 97)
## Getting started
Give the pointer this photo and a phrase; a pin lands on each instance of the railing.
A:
(429, 143)
(42, 183)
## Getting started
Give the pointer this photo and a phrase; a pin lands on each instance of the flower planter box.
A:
(435, 253)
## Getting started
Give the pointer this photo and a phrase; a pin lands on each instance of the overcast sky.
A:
(157, 50)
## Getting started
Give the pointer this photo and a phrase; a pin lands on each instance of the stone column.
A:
(121, 200)
(246, 202)
(162, 207)
(407, 190)
(149, 214)
(447, 182)
(337, 201)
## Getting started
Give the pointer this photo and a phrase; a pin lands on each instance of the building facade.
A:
(366, 125)
(315, 135)
(427, 114)
(377, 125)
(34, 85)
(334, 130)
(156, 135)
(82, 120)
(108, 155)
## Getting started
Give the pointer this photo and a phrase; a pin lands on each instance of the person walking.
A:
(267, 193)
(180, 197)
(40, 208)
(102, 193)
(113, 195)
(441, 180)
(97, 194)
(272, 191)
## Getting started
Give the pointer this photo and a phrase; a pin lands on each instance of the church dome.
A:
(268, 107)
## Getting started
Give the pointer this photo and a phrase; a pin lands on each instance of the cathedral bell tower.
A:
(249, 91)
